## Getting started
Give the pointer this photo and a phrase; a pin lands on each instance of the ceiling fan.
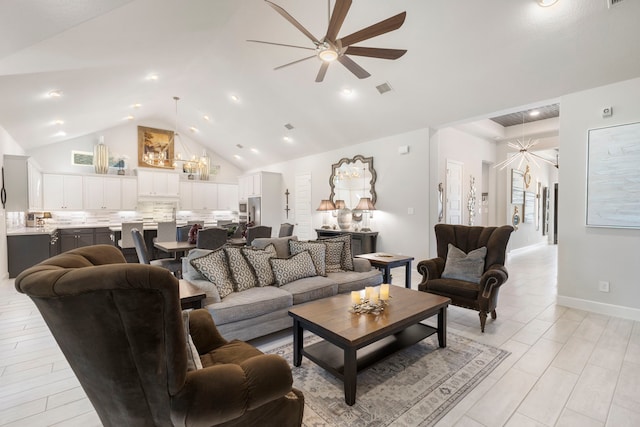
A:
(330, 48)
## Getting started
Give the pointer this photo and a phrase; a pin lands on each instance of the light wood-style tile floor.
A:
(567, 367)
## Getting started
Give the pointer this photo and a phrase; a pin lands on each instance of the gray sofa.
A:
(260, 311)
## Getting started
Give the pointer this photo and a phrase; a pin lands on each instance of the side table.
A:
(385, 262)
(190, 296)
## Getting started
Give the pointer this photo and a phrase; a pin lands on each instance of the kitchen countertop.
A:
(51, 228)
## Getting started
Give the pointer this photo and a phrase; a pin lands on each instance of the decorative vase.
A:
(101, 157)
(344, 219)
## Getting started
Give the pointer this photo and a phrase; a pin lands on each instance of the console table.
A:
(362, 242)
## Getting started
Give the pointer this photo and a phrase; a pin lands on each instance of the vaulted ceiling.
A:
(466, 60)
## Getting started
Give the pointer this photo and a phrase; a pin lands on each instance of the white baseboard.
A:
(600, 307)
(524, 249)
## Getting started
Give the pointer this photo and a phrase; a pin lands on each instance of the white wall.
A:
(403, 182)
(122, 140)
(587, 255)
(472, 151)
(7, 146)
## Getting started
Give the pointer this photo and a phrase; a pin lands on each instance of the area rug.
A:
(414, 387)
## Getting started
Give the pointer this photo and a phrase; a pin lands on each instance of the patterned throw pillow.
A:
(259, 261)
(334, 256)
(461, 266)
(213, 266)
(293, 268)
(193, 358)
(317, 250)
(241, 272)
(347, 254)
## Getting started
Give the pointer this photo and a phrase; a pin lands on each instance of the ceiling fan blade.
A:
(291, 19)
(281, 44)
(295, 62)
(340, 11)
(375, 52)
(323, 70)
(374, 30)
(359, 72)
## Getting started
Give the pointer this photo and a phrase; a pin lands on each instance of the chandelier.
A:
(191, 164)
(524, 153)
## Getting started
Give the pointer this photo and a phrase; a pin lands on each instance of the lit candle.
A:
(374, 297)
(368, 290)
(384, 292)
(355, 297)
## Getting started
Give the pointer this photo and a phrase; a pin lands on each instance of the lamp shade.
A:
(340, 204)
(365, 204)
(326, 205)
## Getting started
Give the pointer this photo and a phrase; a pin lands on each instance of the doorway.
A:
(453, 193)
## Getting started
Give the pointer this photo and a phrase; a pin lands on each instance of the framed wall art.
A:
(155, 148)
(613, 177)
(517, 187)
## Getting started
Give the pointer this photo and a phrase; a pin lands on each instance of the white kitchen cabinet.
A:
(62, 192)
(152, 184)
(227, 197)
(23, 184)
(129, 193)
(198, 195)
(35, 186)
(250, 186)
(186, 195)
(102, 192)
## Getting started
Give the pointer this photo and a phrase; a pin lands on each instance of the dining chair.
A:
(211, 238)
(257, 231)
(182, 233)
(286, 230)
(171, 264)
(126, 241)
(167, 231)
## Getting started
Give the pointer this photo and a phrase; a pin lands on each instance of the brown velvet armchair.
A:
(482, 296)
(120, 327)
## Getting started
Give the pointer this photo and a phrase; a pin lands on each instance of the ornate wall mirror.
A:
(352, 179)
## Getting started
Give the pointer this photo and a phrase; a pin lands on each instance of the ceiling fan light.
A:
(328, 54)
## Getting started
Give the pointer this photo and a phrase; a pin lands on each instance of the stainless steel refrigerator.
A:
(253, 208)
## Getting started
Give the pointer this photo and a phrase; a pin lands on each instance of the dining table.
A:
(174, 247)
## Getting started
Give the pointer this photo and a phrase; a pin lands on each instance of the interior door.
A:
(302, 208)
(453, 192)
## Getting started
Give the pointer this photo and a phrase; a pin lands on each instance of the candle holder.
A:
(366, 306)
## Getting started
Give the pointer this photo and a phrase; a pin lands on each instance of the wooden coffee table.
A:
(353, 342)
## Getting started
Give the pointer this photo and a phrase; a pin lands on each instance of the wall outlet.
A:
(603, 286)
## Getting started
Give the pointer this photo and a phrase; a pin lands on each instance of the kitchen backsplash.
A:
(147, 212)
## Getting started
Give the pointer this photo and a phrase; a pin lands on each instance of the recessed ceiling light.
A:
(129, 117)
(193, 129)
(545, 3)
(206, 118)
(58, 122)
(237, 156)
(136, 106)
(152, 77)
(255, 150)
(534, 113)
(346, 91)
(60, 133)
(235, 98)
(287, 139)
(55, 93)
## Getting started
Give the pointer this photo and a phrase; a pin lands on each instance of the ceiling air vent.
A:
(613, 3)
(289, 126)
(384, 88)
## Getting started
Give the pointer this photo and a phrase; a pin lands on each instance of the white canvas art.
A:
(613, 177)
